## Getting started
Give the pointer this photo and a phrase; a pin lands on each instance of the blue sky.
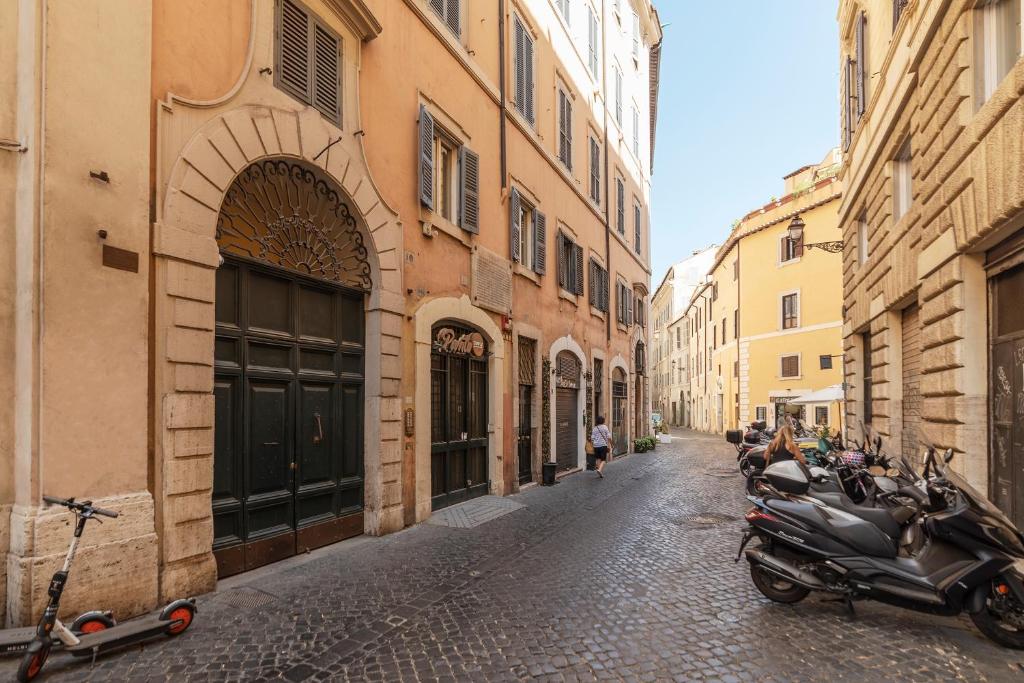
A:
(749, 93)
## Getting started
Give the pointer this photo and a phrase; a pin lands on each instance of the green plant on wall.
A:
(588, 414)
(545, 410)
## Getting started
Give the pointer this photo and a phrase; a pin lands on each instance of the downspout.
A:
(607, 175)
(736, 332)
(501, 88)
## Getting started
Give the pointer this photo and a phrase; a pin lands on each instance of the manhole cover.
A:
(706, 519)
(246, 598)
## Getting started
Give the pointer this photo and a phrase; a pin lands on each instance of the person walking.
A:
(601, 437)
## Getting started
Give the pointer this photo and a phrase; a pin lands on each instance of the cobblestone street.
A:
(626, 578)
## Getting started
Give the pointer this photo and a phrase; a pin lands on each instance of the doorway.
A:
(288, 405)
(458, 415)
(527, 354)
(567, 390)
(1006, 391)
(620, 402)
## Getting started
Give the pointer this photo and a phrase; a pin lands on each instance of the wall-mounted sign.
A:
(468, 344)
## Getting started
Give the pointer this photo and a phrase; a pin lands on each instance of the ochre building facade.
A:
(282, 272)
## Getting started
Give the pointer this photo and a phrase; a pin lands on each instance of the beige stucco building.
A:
(932, 220)
(280, 272)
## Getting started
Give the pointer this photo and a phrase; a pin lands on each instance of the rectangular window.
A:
(636, 37)
(448, 11)
(618, 96)
(679, 342)
(761, 413)
(593, 41)
(790, 250)
(897, 11)
(308, 59)
(736, 323)
(448, 175)
(570, 265)
(563, 8)
(523, 87)
(736, 269)
(637, 228)
(790, 311)
(724, 337)
(445, 172)
(528, 236)
(595, 171)
(564, 129)
(636, 132)
(714, 337)
(863, 247)
(996, 44)
(620, 206)
(861, 72)
(598, 286)
(791, 366)
(821, 415)
(735, 368)
(902, 187)
(866, 374)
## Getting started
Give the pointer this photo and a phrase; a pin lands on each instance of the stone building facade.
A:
(287, 271)
(931, 219)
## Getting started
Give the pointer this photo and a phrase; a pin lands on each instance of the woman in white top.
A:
(601, 437)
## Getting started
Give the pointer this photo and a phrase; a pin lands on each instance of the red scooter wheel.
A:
(180, 613)
(33, 661)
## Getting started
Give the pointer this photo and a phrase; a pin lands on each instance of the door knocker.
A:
(319, 436)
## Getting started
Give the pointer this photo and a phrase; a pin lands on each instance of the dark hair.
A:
(600, 419)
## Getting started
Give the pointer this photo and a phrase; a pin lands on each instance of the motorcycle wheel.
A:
(775, 588)
(745, 468)
(998, 629)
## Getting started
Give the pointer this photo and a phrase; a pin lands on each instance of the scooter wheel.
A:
(998, 629)
(775, 588)
(180, 611)
(32, 662)
(745, 468)
(91, 622)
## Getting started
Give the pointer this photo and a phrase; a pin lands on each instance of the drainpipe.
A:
(736, 332)
(607, 175)
(501, 88)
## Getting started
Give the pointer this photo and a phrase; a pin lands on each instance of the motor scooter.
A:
(171, 620)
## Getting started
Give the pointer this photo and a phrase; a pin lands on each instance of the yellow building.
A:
(932, 220)
(765, 328)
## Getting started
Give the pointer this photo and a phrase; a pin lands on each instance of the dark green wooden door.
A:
(288, 391)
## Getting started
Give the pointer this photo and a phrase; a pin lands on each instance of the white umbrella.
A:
(826, 395)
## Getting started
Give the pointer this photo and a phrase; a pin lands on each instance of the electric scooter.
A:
(171, 620)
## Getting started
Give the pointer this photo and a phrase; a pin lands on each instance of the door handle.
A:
(271, 443)
(319, 436)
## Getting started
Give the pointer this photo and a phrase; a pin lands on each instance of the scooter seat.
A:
(880, 517)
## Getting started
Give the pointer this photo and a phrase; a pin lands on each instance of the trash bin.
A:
(549, 474)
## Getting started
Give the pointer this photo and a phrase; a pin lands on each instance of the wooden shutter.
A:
(628, 295)
(540, 244)
(636, 228)
(293, 50)
(562, 262)
(620, 305)
(606, 292)
(451, 16)
(438, 6)
(579, 269)
(426, 155)
(844, 104)
(513, 221)
(618, 96)
(528, 62)
(798, 248)
(469, 190)
(620, 192)
(861, 65)
(790, 366)
(327, 73)
(520, 66)
(594, 284)
(592, 26)
(595, 171)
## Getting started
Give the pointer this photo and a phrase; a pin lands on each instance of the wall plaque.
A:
(122, 259)
(492, 281)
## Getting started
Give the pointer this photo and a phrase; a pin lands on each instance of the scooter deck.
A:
(16, 640)
(121, 635)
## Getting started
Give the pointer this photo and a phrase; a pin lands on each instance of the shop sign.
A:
(468, 344)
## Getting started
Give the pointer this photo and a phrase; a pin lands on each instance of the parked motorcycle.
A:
(970, 557)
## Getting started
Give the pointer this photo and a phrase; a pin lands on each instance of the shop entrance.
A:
(567, 394)
(1006, 392)
(458, 415)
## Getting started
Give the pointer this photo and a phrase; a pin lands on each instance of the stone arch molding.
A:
(567, 343)
(213, 155)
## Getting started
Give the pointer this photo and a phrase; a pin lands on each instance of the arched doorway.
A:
(640, 426)
(567, 390)
(289, 367)
(620, 401)
(458, 414)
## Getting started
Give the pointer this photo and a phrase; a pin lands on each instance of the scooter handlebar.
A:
(86, 506)
(104, 512)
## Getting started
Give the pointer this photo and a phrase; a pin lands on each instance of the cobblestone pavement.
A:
(626, 578)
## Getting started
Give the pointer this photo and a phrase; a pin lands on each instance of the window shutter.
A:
(451, 16)
(618, 96)
(327, 74)
(620, 191)
(629, 305)
(605, 292)
(438, 6)
(469, 190)
(620, 306)
(579, 269)
(798, 248)
(513, 222)
(293, 50)
(861, 65)
(426, 173)
(595, 283)
(595, 171)
(520, 67)
(540, 244)
(592, 26)
(528, 75)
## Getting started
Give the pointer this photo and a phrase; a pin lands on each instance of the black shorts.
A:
(601, 452)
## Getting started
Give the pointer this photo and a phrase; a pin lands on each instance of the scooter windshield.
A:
(972, 494)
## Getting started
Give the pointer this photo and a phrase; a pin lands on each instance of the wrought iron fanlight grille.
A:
(288, 215)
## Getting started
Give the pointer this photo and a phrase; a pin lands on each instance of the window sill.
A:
(783, 264)
(622, 328)
(790, 379)
(597, 313)
(432, 221)
(571, 298)
(523, 272)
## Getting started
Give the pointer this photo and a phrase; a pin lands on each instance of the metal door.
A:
(288, 405)
(458, 404)
(525, 450)
(912, 382)
(1007, 393)
(566, 428)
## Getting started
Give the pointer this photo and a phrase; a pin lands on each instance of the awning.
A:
(827, 395)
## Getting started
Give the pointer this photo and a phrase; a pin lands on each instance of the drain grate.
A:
(706, 519)
(246, 598)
